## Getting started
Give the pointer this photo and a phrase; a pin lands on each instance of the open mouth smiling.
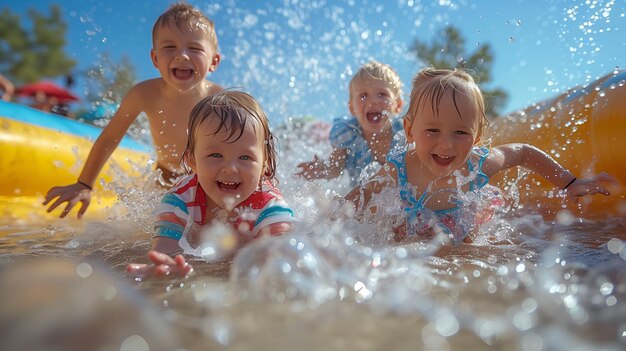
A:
(374, 117)
(183, 73)
(443, 160)
(227, 186)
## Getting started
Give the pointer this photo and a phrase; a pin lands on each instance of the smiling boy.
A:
(184, 51)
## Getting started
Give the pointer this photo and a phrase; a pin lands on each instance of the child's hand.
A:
(591, 186)
(162, 265)
(72, 194)
(310, 170)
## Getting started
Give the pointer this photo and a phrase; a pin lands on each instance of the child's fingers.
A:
(159, 258)
(83, 208)
(54, 205)
(52, 194)
(162, 270)
(606, 178)
(184, 268)
(180, 261)
(67, 209)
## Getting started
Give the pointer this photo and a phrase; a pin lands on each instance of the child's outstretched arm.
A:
(361, 195)
(166, 259)
(510, 155)
(319, 169)
(102, 149)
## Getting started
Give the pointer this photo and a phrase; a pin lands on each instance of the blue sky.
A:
(297, 56)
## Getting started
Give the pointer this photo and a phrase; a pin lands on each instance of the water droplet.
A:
(511, 39)
(50, 230)
(84, 270)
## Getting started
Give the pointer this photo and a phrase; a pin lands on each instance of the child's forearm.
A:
(543, 164)
(100, 152)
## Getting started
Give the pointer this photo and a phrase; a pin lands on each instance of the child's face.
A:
(443, 140)
(183, 58)
(229, 172)
(373, 103)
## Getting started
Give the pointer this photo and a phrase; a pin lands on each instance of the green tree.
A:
(27, 55)
(448, 51)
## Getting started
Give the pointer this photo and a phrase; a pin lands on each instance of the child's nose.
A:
(182, 55)
(229, 167)
(446, 142)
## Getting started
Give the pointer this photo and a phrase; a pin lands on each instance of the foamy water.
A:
(526, 283)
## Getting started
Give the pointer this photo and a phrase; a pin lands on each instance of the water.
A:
(526, 283)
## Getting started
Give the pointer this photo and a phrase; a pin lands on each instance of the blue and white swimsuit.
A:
(346, 133)
(457, 221)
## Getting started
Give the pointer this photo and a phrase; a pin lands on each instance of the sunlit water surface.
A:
(526, 283)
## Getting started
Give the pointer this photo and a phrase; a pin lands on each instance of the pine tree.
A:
(448, 51)
(28, 55)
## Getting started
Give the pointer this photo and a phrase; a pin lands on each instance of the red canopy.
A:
(48, 88)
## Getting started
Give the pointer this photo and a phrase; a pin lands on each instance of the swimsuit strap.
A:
(481, 178)
(398, 159)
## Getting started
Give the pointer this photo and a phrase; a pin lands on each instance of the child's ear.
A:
(191, 162)
(266, 169)
(351, 108)
(478, 136)
(477, 140)
(153, 57)
(399, 104)
(215, 61)
(406, 123)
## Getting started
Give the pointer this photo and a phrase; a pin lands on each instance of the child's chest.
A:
(436, 194)
(169, 126)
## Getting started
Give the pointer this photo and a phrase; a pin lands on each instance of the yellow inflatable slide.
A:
(40, 150)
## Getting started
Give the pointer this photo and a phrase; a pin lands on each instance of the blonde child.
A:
(368, 135)
(443, 126)
(184, 51)
(232, 160)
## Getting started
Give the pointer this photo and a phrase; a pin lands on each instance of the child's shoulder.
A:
(147, 90)
(345, 132)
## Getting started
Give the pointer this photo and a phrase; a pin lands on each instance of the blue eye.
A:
(245, 157)
(215, 155)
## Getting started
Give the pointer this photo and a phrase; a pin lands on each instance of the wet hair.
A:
(431, 84)
(234, 110)
(378, 71)
(187, 19)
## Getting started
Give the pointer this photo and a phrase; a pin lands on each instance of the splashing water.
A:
(525, 283)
